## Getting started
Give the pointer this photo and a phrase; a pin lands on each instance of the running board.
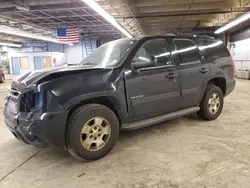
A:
(158, 119)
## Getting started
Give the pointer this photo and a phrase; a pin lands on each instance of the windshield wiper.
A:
(89, 63)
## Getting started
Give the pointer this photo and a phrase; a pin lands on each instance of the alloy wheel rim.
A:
(214, 103)
(95, 134)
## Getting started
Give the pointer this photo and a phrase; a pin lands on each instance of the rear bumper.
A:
(41, 131)
(230, 86)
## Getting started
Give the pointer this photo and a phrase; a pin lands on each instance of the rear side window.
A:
(214, 48)
(187, 51)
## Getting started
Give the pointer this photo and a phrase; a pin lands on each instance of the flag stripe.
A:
(72, 31)
(72, 35)
(68, 38)
(65, 40)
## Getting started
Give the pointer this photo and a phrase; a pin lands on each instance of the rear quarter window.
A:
(214, 48)
(187, 51)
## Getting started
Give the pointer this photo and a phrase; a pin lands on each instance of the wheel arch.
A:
(108, 101)
(219, 82)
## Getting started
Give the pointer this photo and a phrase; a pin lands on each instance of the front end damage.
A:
(26, 115)
(36, 108)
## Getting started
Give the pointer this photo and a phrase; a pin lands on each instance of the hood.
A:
(32, 78)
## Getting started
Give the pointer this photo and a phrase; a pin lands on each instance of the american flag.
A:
(68, 35)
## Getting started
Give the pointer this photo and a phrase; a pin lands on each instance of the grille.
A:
(12, 107)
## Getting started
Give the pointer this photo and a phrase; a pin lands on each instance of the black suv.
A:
(123, 85)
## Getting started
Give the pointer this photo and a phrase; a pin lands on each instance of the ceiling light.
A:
(10, 44)
(17, 32)
(96, 7)
(233, 23)
(22, 8)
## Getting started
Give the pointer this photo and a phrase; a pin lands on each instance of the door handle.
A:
(171, 75)
(203, 70)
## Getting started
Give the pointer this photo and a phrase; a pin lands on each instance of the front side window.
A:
(156, 51)
(187, 52)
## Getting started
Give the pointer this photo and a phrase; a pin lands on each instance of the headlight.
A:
(32, 101)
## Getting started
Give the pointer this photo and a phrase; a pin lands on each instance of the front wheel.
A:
(212, 103)
(93, 130)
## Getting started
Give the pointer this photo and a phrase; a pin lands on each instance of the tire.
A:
(2, 79)
(207, 111)
(87, 118)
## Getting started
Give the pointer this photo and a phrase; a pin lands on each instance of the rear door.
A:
(156, 89)
(194, 72)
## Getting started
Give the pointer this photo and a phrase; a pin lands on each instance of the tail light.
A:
(233, 69)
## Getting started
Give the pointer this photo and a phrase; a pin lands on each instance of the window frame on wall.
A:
(43, 63)
(178, 55)
(21, 63)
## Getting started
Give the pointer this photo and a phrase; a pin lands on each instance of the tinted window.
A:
(214, 48)
(109, 54)
(156, 50)
(187, 51)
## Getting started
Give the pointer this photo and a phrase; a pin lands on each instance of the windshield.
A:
(109, 54)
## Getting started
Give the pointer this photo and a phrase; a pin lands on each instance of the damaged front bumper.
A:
(22, 129)
(36, 127)
(39, 131)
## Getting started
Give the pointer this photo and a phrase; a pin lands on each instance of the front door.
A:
(194, 72)
(15, 61)
(38, 63)
(155, 89)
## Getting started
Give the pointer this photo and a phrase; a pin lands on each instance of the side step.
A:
(158, 119)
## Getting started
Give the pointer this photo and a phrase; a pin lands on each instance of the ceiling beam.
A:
(167, 14)
(13, 3)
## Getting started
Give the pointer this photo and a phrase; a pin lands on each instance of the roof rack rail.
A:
(206, 36)
(188, 35)
(168, 34)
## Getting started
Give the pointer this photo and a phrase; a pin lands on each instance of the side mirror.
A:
(143, 62)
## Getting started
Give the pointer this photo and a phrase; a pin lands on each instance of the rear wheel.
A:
(212, 103)
(93, 130)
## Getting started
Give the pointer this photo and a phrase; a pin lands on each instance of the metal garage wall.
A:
(76, 53)
(62, 53)
(60, 60)
(240, 48)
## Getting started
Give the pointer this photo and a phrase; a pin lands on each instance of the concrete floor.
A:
(185, 152)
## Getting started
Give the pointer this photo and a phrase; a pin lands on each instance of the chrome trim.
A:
(12, 93)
